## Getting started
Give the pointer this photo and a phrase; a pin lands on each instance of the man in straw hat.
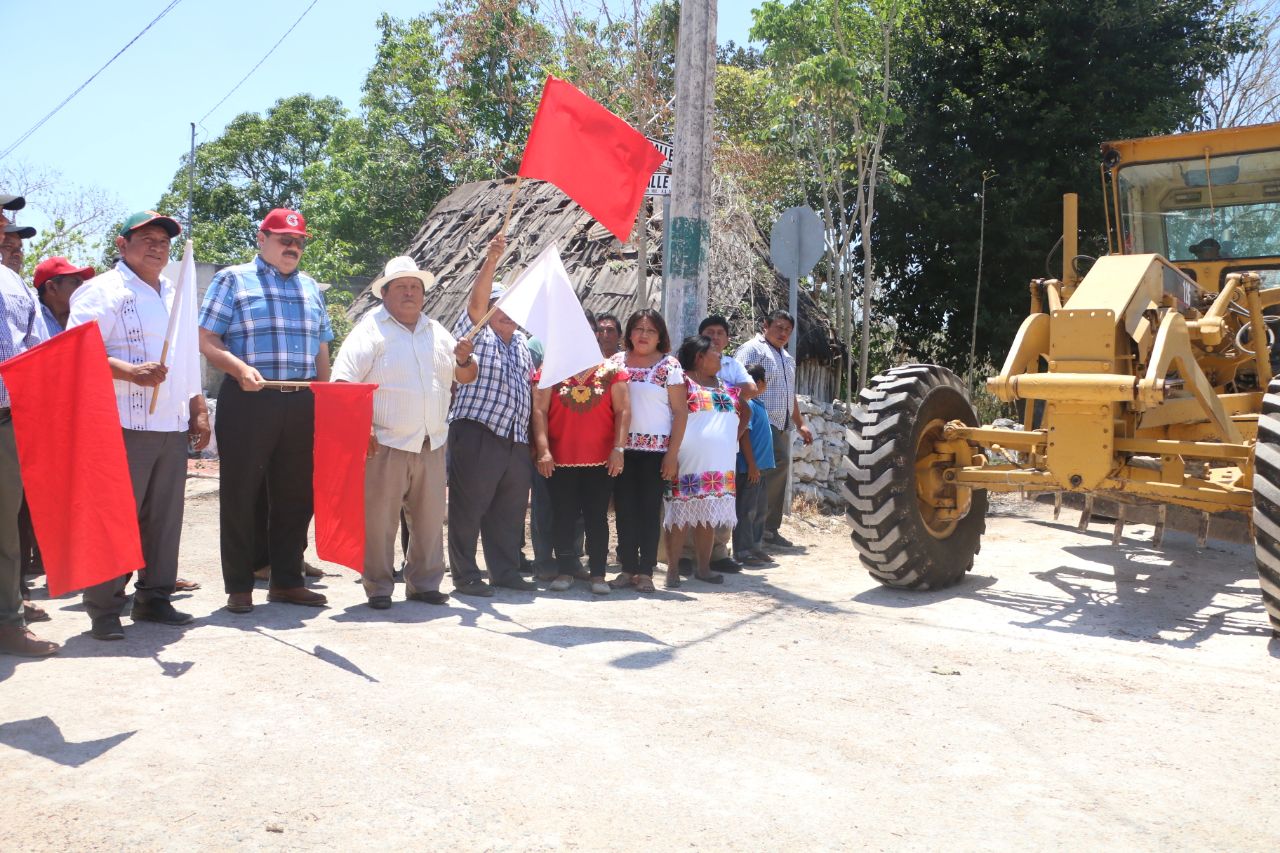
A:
(265, 321)
(414, 361)
(131, 305)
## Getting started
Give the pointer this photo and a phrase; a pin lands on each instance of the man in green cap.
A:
(131, 305)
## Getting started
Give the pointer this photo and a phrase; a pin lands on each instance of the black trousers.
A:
(32, 563)
(637, 500)
(264, 437)
(488, 499)
(581, 493)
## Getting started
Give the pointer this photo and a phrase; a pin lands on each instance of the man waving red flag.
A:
(596, 158)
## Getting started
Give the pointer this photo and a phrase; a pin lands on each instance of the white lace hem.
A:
(718, 511)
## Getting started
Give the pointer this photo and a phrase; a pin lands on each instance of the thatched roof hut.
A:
(452, 243)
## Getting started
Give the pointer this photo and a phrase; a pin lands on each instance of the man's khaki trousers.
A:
(396, 479)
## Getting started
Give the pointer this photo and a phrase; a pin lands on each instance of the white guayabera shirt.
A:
(413, 369)
(133, 319)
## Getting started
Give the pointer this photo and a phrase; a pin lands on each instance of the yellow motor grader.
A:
(1144, 379)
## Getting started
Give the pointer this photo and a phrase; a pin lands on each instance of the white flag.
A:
(183, 358)
(543, 302)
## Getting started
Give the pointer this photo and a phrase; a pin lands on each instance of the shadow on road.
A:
(1178, 595)
(885, 596)
(41, 736)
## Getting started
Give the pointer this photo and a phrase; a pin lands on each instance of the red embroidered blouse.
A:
(580, 424)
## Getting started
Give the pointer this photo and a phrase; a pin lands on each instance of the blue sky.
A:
(127, 130)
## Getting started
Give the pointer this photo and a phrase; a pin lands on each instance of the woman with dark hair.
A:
(580, 426)
(658, 414)
(702, 497)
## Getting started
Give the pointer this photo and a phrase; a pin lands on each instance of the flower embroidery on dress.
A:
(582, 397)
(647, 441)
(713, 482)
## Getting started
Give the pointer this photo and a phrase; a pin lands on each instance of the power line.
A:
(260, 61)
(23, 138)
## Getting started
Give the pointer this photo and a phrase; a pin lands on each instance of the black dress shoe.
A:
(428, 597)
(159, 610)
(727, 565)
(380, 602)
(479, 588)
(107, 628)
(517, 582)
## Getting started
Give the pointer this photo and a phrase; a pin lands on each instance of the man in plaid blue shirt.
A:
(489, 471)
(266, 321)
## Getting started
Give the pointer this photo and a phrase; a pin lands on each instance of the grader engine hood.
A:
(1118, 348)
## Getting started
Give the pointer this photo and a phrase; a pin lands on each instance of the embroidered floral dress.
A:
(705, 492)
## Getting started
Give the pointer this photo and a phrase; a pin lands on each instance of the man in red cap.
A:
(55, 280)
(131, 304)
(21, 327)
(266, 321)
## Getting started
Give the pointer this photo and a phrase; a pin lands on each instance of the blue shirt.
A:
(761, 437)
(501, 397)
(51, 324)
(271, 322)
(21, 324)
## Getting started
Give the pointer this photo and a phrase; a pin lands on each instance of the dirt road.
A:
(1067, 695)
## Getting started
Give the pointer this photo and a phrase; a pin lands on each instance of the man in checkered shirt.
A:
(769, 349)
(489, 471)
(266, 321)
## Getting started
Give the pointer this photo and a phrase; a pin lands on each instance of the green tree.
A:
(1026, 90)
(448, 99)
(259, 162)
(835, 65)
(77, 222)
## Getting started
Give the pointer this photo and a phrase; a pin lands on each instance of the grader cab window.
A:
(1188, 212)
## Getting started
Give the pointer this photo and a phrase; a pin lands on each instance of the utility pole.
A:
(690, 223)
(191, 181)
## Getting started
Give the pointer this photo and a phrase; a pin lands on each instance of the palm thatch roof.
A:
(452, 241)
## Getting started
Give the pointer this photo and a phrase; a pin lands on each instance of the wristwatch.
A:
(619, 450)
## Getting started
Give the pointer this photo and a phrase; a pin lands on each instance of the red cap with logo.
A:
(285, 221)
(58, 265)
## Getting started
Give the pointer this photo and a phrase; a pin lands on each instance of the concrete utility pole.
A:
(690, 222)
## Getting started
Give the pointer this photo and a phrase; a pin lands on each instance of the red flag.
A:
(344, 420)
(599, 160)
(71, 452)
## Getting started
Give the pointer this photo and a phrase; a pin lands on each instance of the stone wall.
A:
(816, 467)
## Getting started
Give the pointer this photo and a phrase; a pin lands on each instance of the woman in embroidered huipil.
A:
(658, 415)
(580, 428)
(702, 496)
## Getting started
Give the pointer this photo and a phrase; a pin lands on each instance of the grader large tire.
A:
(1266, 504)
(899, 537)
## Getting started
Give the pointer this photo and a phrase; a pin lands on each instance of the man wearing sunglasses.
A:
(261, 322)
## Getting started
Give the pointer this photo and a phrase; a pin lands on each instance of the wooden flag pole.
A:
(173, 317)
(155, 392)
(271, 383)
(511, 203)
